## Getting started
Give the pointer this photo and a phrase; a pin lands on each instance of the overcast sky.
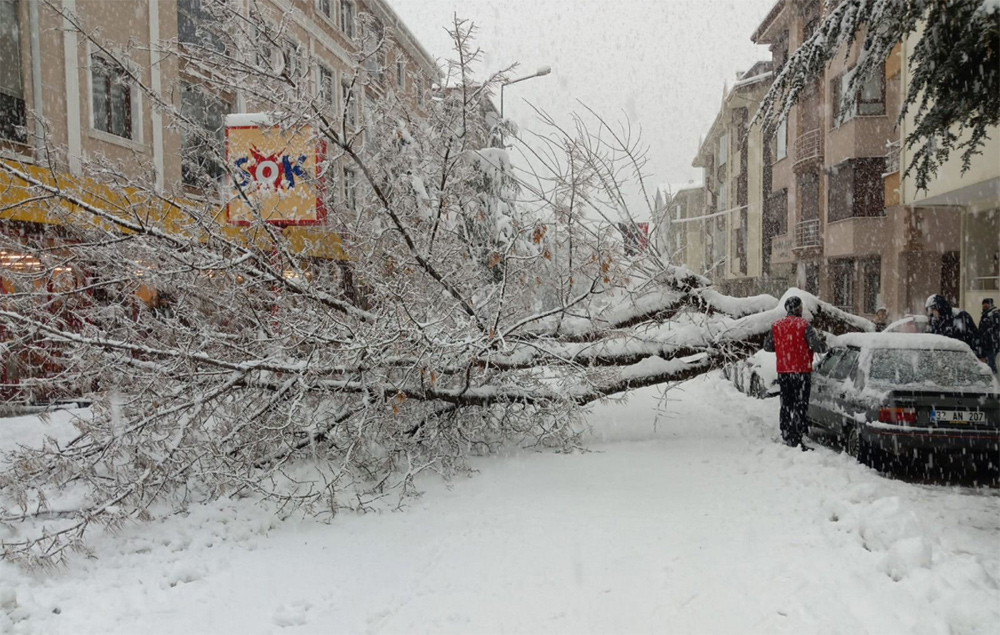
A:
(662, 63)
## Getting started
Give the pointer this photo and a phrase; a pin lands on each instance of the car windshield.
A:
(902, 367)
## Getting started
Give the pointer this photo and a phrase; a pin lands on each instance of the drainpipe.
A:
(36, 79)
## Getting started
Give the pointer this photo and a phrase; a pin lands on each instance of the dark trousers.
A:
(795, 389)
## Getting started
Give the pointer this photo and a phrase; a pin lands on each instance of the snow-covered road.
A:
(698, 522)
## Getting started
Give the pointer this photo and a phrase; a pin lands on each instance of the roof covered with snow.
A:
(923, 341)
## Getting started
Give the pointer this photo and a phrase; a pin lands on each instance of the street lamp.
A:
(544, 70)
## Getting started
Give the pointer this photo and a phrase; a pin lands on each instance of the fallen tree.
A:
(479, 307)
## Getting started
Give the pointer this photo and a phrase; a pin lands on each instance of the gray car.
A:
(890, 396)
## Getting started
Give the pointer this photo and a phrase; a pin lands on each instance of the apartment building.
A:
(846, 228)
(969, 204)
(681, 227)
(65, 102)
(733, 156)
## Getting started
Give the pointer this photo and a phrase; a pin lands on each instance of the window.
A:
(741, 245)
(845, 365)
(371, 112)
(197, 24)
(12, 111)
(375, 63)
(779, 51)
(723, 149)
(327, 86)
(830, 361)
(842, 277)
(265, 56)
(812, 278)
(202, 152)
(841, 112)
(350, 189)
(292, 55)
(902, 367)
(808, 184)
(112, 93)
(777, 212)
(350, 104)
(325, 7)
(347, 18)
(856, 189)
(400, 73)
(781, 140)
(871, 272)
(723, 196)
(869, 99)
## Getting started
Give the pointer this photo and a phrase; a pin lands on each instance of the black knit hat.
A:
(793, 304)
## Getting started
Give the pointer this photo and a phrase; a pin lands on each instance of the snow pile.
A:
(686, 517)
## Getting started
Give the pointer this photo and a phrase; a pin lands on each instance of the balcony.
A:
(808, 149)
(807, 234)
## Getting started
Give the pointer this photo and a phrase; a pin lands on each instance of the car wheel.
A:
(855, 446)
(860, 450)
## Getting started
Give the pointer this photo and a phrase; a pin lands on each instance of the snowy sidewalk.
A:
(701, 525)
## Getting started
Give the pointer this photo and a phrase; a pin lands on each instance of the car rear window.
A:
(901, 367)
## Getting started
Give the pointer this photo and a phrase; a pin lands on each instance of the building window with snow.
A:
(869, 100)
(347, 18)
(202, 147)
(327, 86)
(871, 275)
(198, 23)
(350, 189)
(856, 189)
(112, 97)
(781, 140)
(325, 7)
(12, 110)
(350, 105)
(842, 279)
(293, 57)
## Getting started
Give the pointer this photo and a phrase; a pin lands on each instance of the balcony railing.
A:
(807, 234)
(809, 147)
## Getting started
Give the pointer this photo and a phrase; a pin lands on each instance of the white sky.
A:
(661, 63)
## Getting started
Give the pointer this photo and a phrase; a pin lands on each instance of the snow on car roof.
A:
(901, 340)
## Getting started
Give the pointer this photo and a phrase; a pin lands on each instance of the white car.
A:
(756, 375)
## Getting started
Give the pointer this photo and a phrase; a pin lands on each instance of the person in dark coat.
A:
(881, 319)
(794, 340)
(945, 321)
(989, 333)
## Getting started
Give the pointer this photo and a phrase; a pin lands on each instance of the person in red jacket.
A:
(793, 340)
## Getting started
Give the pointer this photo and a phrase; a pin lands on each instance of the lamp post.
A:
(544, 70)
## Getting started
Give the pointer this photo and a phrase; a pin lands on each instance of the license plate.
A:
(957, 416)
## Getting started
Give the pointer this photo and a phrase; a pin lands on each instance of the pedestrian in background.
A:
(945, 321)
(881, 319)
(989, 333)
(794, 341)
